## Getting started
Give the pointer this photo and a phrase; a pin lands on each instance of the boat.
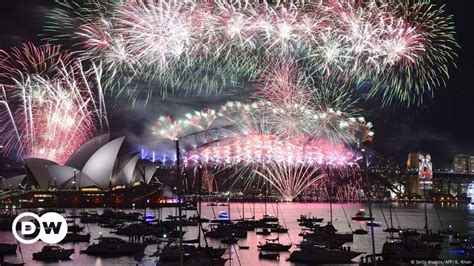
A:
(330, 243)
(191, 241)
(172, 253)
(189, 207)
(361, 216)
(269, 256)
(327, 232)
(360, 231)
(391, 230)
(175, 217)
(268, 218)
(248, 225)
(271, 246)
(172, 256)
(405, 233)
(306, 218)
(53, 253)
(110, 224)
(91, 218)
(279, 229)
(205, 252)
(195, 218)
(113, 246)
(316, 255)
(75, 228)
(8, 249)
(76, 238)
(263, 232)
(409, 249)
(224, 230)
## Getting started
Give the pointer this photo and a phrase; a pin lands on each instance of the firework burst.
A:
(45, 61)
(51, 118)
(289, 180)
(401, 50)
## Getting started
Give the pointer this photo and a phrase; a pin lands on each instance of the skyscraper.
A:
(463, 163)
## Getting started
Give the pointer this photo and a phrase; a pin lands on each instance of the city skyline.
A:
(440, 126)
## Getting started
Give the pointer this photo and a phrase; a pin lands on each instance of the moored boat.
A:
(279, 229)
(409, 249)
(269, 256)
(308, 218)
(361, 216)
(53, 253)
(315, 255)
(76, 238)
(113, 246)
(272, 246)
(263, 232)
(360, 231)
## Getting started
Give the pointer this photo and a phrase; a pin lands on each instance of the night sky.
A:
(443, 126)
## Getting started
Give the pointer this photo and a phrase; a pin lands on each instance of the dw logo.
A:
(50, 228)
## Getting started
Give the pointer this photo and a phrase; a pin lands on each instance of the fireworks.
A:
(255, 147)
(44, 60)
(51, 118)
(262, 149)
(289, 180)
(401, 50)
(167, 128)
(306, 62)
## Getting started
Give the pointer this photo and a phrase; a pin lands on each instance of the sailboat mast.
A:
(199, 206)
(426, 214)
(277, 209)
(243, 209)
(330, 204)
(390, 209)
(180, 188)
(266, 198)
(254, 209)
(366, 172)
(228, 205)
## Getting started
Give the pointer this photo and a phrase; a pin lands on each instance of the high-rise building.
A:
(420, 173)
(413, 181)
(463, 163)
(425, 173)
(412, 162)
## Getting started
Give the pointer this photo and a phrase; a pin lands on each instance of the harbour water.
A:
(406, 215)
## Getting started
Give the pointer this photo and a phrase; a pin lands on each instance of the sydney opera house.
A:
(94, 175)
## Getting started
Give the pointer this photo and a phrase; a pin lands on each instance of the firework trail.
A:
(45, 61)
(401, 50)
(51, 118)
(201, 120)
(289, 180)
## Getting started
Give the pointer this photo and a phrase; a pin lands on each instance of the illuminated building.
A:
(470, 192)
(95, 164)
(425, 173)
(463, 163)
(420, 174)
(412, 182)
